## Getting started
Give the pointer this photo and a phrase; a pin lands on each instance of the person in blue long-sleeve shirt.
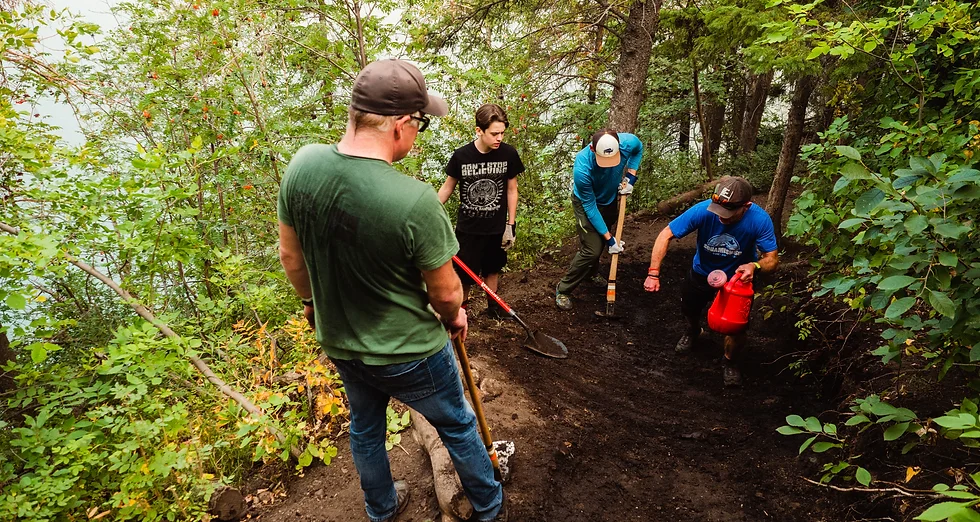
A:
(603, 171)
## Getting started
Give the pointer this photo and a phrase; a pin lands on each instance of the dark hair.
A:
(601, 133)
(489, 113)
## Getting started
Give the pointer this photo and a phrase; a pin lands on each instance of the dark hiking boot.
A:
(598, 281)
(731, 374)
(685, 343)
(403, 494)
(563, 301)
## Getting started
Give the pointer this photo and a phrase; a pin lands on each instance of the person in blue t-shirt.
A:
(731, 232)
(603, 171)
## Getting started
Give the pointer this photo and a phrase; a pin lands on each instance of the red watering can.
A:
(729, 314)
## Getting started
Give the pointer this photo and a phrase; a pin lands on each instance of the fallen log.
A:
(227, 504)
(671, 205)
(453, 504)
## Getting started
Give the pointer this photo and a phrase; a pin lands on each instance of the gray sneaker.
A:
(686, 342)
(403, 493)
(563, 301)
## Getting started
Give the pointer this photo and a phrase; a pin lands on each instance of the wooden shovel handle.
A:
(614, 264)
(481, 419)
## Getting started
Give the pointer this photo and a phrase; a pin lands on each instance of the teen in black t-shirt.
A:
(486, 171)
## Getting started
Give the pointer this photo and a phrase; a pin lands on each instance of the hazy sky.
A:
(95, 11)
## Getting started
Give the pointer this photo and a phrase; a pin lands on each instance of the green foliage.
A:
(823, 437)
(116, 433)
(962, 511)
(890, 200)
(195, 111)
(805, 325)
(396, 423)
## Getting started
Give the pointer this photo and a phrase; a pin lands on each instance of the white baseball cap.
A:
(605, 144)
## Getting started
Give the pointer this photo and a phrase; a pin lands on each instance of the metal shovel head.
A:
(546, 345)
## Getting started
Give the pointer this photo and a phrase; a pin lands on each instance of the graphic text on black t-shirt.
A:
(485, 186)
(482, 186)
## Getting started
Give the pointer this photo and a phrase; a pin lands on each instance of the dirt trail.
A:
(623, 429)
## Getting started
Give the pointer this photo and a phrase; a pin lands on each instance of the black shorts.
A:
(481, 253)
(697, 294)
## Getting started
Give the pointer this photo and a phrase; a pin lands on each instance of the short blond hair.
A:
(369, 120)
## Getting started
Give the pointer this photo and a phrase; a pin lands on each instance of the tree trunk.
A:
(634, 62)
(714, 120)
(699, 106)
(684, 134)
(791, 149)
(737, 113)
(757, 92)
(714, 112)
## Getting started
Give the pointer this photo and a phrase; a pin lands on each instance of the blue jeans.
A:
(432, 387)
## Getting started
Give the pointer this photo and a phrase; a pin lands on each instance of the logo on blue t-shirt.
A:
(723, 245)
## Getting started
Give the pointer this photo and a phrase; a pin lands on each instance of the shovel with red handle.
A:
(536, 341)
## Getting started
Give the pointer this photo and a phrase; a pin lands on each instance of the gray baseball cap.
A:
(394, 87)
(730, 195)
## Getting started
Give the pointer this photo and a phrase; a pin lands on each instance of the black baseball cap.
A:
(730, 195)
(394, 87)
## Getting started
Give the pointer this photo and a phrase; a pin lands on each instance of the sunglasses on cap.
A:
(715, 198)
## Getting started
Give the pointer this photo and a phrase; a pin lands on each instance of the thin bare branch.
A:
(198, 363)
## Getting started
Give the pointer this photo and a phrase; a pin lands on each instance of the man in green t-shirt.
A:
(369, 250)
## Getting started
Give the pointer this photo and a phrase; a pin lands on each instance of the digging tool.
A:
(500, 462)
(536, 341)
(613, 265)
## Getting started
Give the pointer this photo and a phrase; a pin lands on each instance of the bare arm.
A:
(446, 189)
(768, 263)
(652, 282)
(291, 257)
(446, 295)
(512, 200)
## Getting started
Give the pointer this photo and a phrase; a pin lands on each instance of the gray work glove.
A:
(615, 247)
(508, 240)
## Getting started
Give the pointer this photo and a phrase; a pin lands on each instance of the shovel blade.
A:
(546, 345)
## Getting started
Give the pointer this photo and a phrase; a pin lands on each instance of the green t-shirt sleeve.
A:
(282, 206)
(431, 241)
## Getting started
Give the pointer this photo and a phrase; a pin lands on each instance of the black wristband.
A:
(653, 276)
(307, 302)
